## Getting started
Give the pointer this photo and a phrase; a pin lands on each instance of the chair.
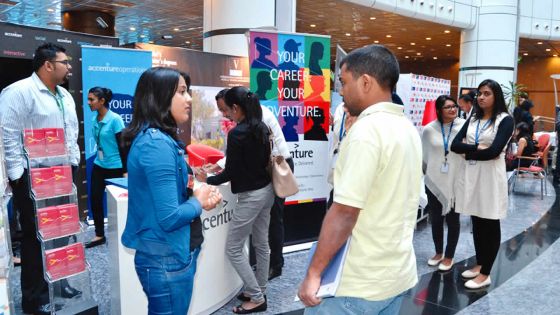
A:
(533, 169)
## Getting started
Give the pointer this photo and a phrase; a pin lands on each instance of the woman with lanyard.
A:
(107, 127)
(439, 168)
(342, 122)
(480, 187)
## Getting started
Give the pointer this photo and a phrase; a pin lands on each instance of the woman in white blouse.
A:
(481, 182)
(439, 165)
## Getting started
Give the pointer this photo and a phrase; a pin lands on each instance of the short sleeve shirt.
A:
(104, 133)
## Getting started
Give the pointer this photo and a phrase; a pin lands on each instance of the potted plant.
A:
(512, 92)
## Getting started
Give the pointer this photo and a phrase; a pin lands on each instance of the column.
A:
(224, 26)
(489, 50)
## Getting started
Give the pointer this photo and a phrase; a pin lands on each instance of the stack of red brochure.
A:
(56, 221)
(65, 261)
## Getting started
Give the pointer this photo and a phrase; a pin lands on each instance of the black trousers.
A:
(487, 238)
(97, 189)
(453, 226)
(34, 288)
(276, 229)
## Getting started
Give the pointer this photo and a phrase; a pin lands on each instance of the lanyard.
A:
(446, 140)
(342, 133)
(59, 101)
(98, 135)
(478, 132)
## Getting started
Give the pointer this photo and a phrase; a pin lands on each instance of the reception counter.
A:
(216, 282)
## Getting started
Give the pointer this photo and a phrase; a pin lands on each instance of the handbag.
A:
(283, 180)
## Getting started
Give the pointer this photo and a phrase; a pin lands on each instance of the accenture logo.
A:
(67, 41)
(10, 34)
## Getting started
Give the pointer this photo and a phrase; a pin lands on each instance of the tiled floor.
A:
(436, 293)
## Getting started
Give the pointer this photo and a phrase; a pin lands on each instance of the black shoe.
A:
(68, 292)
(261, 308)
(274, 272)
(98, 242)
(45, 309)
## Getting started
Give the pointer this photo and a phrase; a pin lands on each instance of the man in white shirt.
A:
(376, 195)
(37, 102)
(276, 227)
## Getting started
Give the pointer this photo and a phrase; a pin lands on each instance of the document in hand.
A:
(330, 278)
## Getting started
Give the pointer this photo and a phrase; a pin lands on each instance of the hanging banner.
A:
(291, 74)
(119, 70)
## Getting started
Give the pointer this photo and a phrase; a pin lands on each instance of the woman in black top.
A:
(525, 146)
(247, 158)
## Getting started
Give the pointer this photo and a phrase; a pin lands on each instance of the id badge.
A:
(444, 168)
(472, 162)
(100, 155)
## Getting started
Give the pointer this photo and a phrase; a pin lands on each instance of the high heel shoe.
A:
(97, 242)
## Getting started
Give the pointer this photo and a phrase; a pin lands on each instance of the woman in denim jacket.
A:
(161, 205)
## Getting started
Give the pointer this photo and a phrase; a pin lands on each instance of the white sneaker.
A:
(468, 274)
(443, 267)
(434, 262)
(473, 285)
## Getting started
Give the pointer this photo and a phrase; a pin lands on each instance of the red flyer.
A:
(54, 138)
(48, 222)
(75, 259)
(56, 263)
(62, 182)
(34, 141)
(68, 219)
(42, 182)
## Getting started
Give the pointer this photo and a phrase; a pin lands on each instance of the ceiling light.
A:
(376, 41)
(50, 10)
(176, 29)
(399, 47)
(388, 36)
(525, 54)
(121, 4)
(101, 22)
(539, 43)
(548, 49)
(435, 58)
(348, 34)
(447, 31)
(312, 25)
(187, 42)
(448, 45)
(406, 57)
(428, 38)
(166, 37)
(418, 54)
(412, 44)
(151, 42)
(372, 18)
(142, 36)
(133, 29)
(555, 55)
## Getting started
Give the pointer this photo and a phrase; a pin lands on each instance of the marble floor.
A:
(527, 260)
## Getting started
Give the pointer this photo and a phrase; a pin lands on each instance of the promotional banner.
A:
(119, 70)
(291, 74)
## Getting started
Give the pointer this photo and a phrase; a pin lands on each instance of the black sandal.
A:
(239, 309)
(243, 297)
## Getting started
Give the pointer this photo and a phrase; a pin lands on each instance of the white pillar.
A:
(226, 21)
(489, 50)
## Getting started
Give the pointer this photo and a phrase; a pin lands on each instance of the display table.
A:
(216, 282)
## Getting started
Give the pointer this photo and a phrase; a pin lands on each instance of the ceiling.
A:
(350, 25)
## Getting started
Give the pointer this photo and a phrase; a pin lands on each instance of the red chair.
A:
(201, 154)
(537, 172)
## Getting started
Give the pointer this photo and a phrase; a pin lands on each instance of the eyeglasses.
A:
(450, 107)
(64, 62)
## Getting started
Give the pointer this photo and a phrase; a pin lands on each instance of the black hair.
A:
(525, 131)
(527, 105)
(102, 93)
(440, 102)
(152, 103)
(45, 52)
(221, 94)
(468, 97)
(376, 61)
(187, 78)
(249, 104)
(499, 101)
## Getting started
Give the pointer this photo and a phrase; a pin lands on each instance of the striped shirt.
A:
(28, 104)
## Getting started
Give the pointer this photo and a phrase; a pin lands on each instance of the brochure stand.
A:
(58, 223)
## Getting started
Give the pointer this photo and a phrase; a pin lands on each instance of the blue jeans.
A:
(167, 282)
(356, 306)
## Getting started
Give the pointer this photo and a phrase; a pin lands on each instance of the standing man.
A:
(276, 227)
(376, 195)
(37, 102)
